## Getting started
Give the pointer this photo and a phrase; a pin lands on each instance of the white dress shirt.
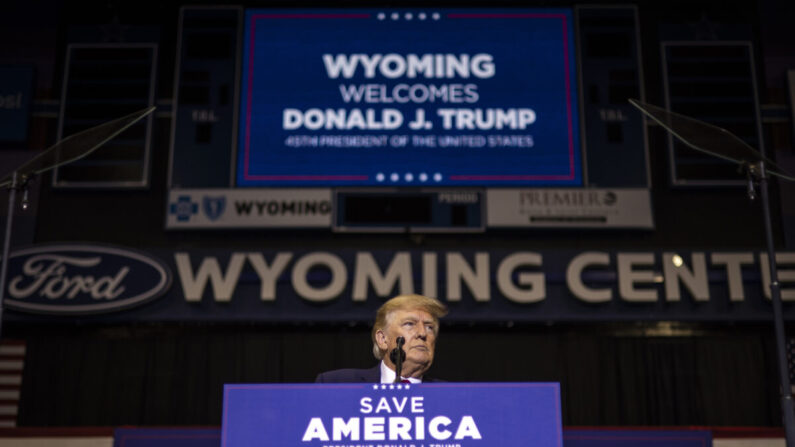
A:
(388, 376)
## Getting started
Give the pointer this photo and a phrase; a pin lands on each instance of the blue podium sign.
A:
(376, 415)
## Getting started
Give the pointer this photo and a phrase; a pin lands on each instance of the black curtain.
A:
(173, 375)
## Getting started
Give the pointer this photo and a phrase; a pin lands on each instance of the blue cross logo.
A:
(183, 208)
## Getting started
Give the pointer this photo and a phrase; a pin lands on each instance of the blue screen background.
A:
(533, 54)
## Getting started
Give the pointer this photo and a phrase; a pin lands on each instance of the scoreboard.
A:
(370, 98)
(408, 119)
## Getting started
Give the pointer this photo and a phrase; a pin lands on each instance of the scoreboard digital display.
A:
(400, 98)
(422, 119)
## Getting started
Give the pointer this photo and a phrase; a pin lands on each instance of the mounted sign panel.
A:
(203, 129)
(103, 82)
(556, 208)
(714, 82)
(453, 210)
(433, 102)
(80, 283)
(249, 208)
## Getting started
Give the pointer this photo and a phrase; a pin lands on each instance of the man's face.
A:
(419, 329)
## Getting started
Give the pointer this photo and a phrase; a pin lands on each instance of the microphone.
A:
(397, 356)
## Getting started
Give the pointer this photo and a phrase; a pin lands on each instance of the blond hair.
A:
(404, 302)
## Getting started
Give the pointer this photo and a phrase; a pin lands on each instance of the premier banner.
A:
(99, 282)
(569, 208)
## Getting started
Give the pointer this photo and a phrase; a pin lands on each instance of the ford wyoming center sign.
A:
(100, 282)
(83, 279)
(393, 415)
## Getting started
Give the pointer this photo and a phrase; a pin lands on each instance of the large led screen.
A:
(409, 98)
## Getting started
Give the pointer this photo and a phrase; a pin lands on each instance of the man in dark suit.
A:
(413, 317)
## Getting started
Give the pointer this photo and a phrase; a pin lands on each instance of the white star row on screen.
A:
(409, 16)
(408, 177)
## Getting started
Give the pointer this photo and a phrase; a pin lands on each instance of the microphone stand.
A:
(720, 143)
(397, 356)
(69, 149)
(16, 184)
(758, 172)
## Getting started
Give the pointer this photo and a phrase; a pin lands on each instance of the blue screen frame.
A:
(509, 117)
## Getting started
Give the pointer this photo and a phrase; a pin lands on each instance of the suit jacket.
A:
(372, 375)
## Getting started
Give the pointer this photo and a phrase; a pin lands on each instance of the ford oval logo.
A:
(83, 279)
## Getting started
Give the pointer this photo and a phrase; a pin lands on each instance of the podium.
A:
(392, 415)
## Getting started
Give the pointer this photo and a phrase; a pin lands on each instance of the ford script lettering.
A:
(83, 279)
(46, 275)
